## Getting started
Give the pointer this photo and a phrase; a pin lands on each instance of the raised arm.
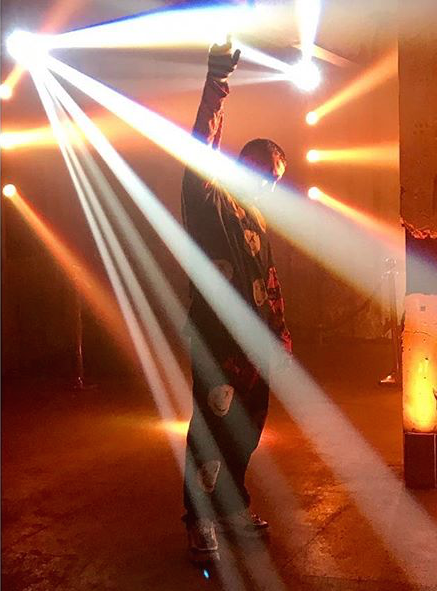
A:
(209, 121)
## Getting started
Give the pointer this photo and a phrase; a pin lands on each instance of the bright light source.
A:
(28, 49)
(314, 193)
(312, 118)
(5, 92)
(313, 156)
(9, 191)
(305, 75)
(7, 141)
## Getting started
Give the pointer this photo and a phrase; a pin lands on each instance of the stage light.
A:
(28, 49)
(9, 191)
(313, 155)
(305, 75)
(5, 92)
(314, 193)
(312, 118)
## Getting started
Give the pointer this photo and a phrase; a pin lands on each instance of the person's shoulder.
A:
(232, 205)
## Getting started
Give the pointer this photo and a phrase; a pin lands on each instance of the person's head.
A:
(267, 159)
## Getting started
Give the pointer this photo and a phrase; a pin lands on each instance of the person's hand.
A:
(221, 61)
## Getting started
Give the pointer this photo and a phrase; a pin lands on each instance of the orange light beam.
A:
(385, 155)
(384, 69)
(39, 136)
(13, 77)
(43, 136)
(386, 233)
(95, 293)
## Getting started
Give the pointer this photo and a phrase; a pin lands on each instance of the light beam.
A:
(94, 291)
(388, 235)
(382, 71)
(166, 28)
(383, 155)
(287, 212)
(308, 13)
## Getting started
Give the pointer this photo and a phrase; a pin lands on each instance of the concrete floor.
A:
(91, 493)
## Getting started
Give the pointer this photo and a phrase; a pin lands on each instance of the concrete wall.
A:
(418, 117)
(418, 174)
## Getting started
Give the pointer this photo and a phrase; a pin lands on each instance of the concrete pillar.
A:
(418, 176)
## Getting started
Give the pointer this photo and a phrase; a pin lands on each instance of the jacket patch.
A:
(220, 399)
(259, 292)
(253, 242)
(207, 475)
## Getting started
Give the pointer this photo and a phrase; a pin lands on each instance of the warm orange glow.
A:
(176, 427)
(312, 118)
(179, 427)
(421, 407)
(9, 191)
(380, 155)
(386, 233)
(383, 70)
(42, 137)
(419, 363)
(313, 155)
(94, 291)
(12, 80)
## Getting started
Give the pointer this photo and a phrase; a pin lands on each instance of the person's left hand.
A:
(221, 61)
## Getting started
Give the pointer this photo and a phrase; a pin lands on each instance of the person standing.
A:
(230, 394)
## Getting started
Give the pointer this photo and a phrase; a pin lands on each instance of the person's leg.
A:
(211, 402)
(202, 466)
(245, 423)
(224, 431)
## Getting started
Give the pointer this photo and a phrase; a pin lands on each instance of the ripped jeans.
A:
(230, 403)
